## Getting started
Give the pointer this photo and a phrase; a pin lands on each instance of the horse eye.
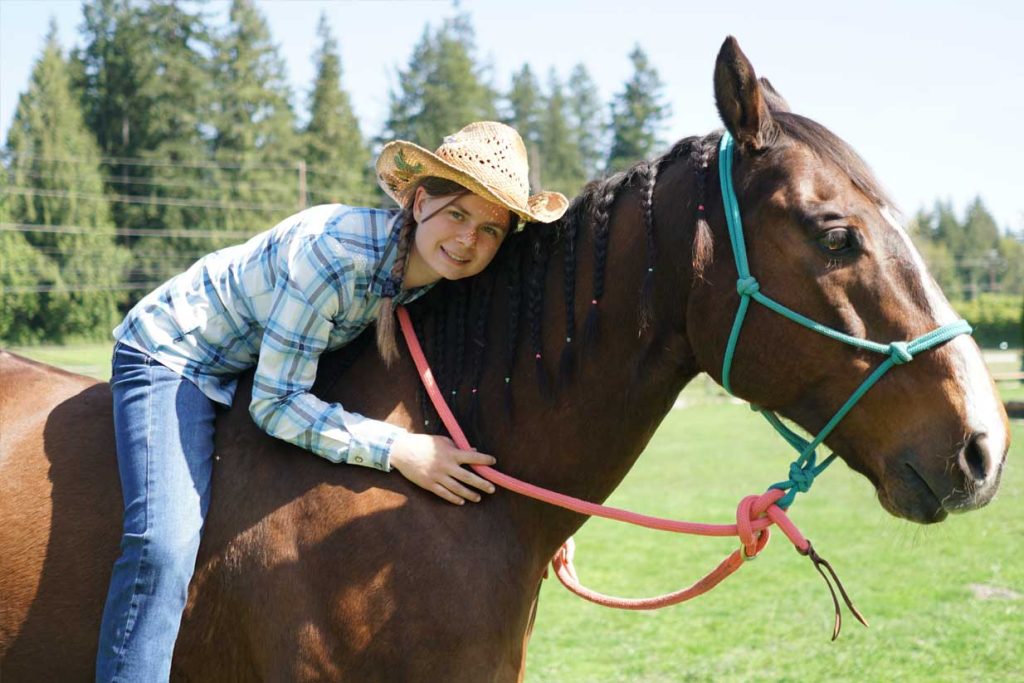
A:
(836, 240)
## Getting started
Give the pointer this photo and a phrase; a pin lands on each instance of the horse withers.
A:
(313, 571)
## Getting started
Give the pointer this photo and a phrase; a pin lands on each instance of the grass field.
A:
(945, 602)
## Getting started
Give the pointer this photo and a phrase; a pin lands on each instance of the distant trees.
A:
(337, 155)
(442, 88)
(184, 135)
(638, 114)
(77, 245)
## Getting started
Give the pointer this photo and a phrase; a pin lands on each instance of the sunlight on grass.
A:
(772, 620)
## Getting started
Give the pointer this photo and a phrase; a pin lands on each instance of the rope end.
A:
(819, 564)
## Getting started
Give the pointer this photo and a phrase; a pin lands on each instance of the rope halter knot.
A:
(899, 352)
(748, 286)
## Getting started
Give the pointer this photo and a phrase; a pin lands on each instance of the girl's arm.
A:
(316, 286)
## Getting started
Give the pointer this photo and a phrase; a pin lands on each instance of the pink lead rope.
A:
(753, 517)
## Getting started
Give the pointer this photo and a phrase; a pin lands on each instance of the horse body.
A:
(311, 571)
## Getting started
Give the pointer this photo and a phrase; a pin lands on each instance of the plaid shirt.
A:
(309, 285)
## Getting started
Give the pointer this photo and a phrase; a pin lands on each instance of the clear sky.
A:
(931, 93)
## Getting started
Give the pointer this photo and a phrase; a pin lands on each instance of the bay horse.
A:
(312, 571)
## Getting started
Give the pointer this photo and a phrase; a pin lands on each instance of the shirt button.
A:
(359, 458)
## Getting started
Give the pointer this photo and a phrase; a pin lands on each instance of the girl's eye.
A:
(457, 215)
(491, 230)
(836, 240)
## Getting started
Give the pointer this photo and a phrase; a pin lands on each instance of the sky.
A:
(930, 93)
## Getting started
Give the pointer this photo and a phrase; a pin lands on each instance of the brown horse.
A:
(311, 571)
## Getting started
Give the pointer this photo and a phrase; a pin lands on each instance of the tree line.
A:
(165, 136)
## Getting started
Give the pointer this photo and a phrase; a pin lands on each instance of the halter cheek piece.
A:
(804, 469)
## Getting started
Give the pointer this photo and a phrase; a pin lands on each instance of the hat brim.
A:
(402, 163)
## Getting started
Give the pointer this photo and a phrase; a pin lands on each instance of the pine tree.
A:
(561, 163)
(337, 156)
(255, 139)
(144, 83)
(48, 125)
(442, 89)
(637, 113)
(524, 113)
(587, 120)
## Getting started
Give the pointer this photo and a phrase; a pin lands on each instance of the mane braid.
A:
(535, 306)
(648, 173)
(514, 288)
(600, 212)
(480, 306)
(703, 242)
(567, 361)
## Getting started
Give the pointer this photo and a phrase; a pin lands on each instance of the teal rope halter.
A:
(805, 468)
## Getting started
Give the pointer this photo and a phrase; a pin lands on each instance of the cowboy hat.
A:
(487, 158)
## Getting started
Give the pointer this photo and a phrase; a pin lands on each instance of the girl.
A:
(309, 285)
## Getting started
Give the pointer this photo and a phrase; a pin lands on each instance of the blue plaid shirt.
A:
(309, 285)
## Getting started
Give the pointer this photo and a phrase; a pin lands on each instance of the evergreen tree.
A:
(587, 120)
(524, 113)
(144, 83)
(80, 294)
(255, 140)
(561, 163)
(337, 155)
(442, 89)
(637, 115)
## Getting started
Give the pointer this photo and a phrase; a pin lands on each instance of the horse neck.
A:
(584, 437)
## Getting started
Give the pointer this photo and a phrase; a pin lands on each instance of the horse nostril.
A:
(975, 459)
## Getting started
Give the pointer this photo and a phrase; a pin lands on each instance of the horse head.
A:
(822, 240)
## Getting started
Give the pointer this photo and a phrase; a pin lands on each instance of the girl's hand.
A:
(436, 464)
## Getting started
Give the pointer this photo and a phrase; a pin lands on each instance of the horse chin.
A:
(922, 509)
(911, 497)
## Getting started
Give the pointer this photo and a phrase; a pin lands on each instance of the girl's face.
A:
(458, 241)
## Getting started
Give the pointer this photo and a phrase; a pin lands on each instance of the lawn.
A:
(945, 602)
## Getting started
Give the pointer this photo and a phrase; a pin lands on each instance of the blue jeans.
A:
(164, 430)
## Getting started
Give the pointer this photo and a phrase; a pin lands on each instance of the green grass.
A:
(86, 358)
(772, 620)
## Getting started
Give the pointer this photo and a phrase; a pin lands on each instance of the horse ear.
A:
(741, 103)
(772, 98)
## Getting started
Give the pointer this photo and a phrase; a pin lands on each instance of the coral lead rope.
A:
(755, 513)
(753, 516)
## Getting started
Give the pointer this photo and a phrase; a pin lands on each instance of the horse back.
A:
(61, 508)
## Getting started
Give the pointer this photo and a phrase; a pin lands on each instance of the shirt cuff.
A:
(371, 444)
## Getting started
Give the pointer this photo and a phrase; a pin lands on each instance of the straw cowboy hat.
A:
(487, 158)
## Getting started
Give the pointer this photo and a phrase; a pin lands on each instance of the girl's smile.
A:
(458, 239)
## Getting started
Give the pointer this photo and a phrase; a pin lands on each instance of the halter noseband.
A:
(804, 469)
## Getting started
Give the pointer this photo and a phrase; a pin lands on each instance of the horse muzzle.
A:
(926, 492)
